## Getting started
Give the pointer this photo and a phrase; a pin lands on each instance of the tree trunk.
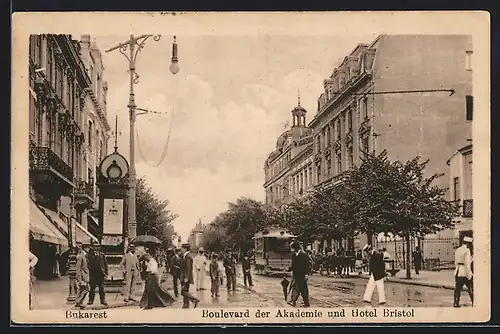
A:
(369, 235)
(408, 256)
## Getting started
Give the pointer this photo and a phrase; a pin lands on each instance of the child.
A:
(215, 276)
(285, 283)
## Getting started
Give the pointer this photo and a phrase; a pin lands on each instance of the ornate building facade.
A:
(58, 87)
(96, 130)
(360, 109)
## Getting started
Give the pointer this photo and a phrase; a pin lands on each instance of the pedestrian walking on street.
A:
(300, 270)
(82, 275)
(98, 268)
(175, 270)
(187, 277)
(215, 276)
(229, 263)
(417, 260)
(130, 268)
(377, 275)
(33, 262)
(247, 275)
(154, 294)
(200, 266)
(463, 271)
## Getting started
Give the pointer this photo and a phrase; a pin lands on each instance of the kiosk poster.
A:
(113, 216)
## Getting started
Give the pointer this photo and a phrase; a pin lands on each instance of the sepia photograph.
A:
(254, 174)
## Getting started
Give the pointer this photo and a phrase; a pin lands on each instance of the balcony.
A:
(84, 193)
(47, 165)
(467, 208)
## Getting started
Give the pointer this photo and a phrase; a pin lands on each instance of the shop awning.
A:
(57, 219)
(82, 235)
(94, 219)
(42, 229)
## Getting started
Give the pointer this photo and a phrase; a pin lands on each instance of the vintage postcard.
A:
(274, 167)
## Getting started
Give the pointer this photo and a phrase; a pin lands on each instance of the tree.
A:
(396, 197)
(152, 214)
(236, 227)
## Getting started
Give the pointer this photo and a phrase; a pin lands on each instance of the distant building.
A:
(460, 178)
(195, 237)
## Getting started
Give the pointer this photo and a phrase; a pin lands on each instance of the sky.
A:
(228, 104)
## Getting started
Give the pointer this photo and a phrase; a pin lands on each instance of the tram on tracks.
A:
(272, 252)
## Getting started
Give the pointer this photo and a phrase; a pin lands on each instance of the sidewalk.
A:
(436, 279)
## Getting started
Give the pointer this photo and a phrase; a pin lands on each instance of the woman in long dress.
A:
(154, 294)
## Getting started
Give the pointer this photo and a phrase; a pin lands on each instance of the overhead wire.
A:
(165, 148)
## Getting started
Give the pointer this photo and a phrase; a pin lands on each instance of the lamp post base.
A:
(72, 278)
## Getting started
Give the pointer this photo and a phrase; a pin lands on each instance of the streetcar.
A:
(272, 251)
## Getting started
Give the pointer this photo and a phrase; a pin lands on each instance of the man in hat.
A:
(200, 266)
(229, 263)
(130, 269)
(187, 276)
(175, 270)
(377, 275)
(300, 270)
(247, 274)
(82, 275)
(463, 271)
(98, 268)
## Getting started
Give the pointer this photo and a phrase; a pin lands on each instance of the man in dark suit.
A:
(229, 264)
(175, 269)
(377, 275)
(300, 269)
(186, 276)
(98, 268)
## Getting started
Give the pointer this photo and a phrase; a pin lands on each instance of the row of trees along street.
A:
(378, 196)
(152, 214)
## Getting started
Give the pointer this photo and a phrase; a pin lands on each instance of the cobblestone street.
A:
(267, 292)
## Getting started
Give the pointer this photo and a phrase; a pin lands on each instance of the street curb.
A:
(430, 285)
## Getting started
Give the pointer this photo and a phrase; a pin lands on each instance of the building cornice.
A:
(342, 95)
(98, 108)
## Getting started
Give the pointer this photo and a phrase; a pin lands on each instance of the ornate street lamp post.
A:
(134, 45)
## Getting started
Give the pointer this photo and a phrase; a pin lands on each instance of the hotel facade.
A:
(406, 94)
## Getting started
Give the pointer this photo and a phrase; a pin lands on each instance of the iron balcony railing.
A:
(43, 158)
(84, 188)
(467, 208)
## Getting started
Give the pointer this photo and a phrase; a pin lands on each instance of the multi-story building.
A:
(96, 128)
(58, 84)
(405, 94)
(460, 185)
(288, 172)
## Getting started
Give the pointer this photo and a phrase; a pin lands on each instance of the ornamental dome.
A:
(283, 141)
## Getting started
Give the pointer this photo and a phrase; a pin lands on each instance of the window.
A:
(468, 60)
(329, 166)
(364, 108)
(306, 184)
(469, 106)
(89, 140)
(328, 138)
(301, 182)
(350, 153)
(365, 145)
(339, 163)
(310, 175)
(456, 189)
(89, 175)
(349, 120)
(318, 143)
(318, 172)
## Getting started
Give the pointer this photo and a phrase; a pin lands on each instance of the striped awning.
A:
(42, 229)
(84, 236)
